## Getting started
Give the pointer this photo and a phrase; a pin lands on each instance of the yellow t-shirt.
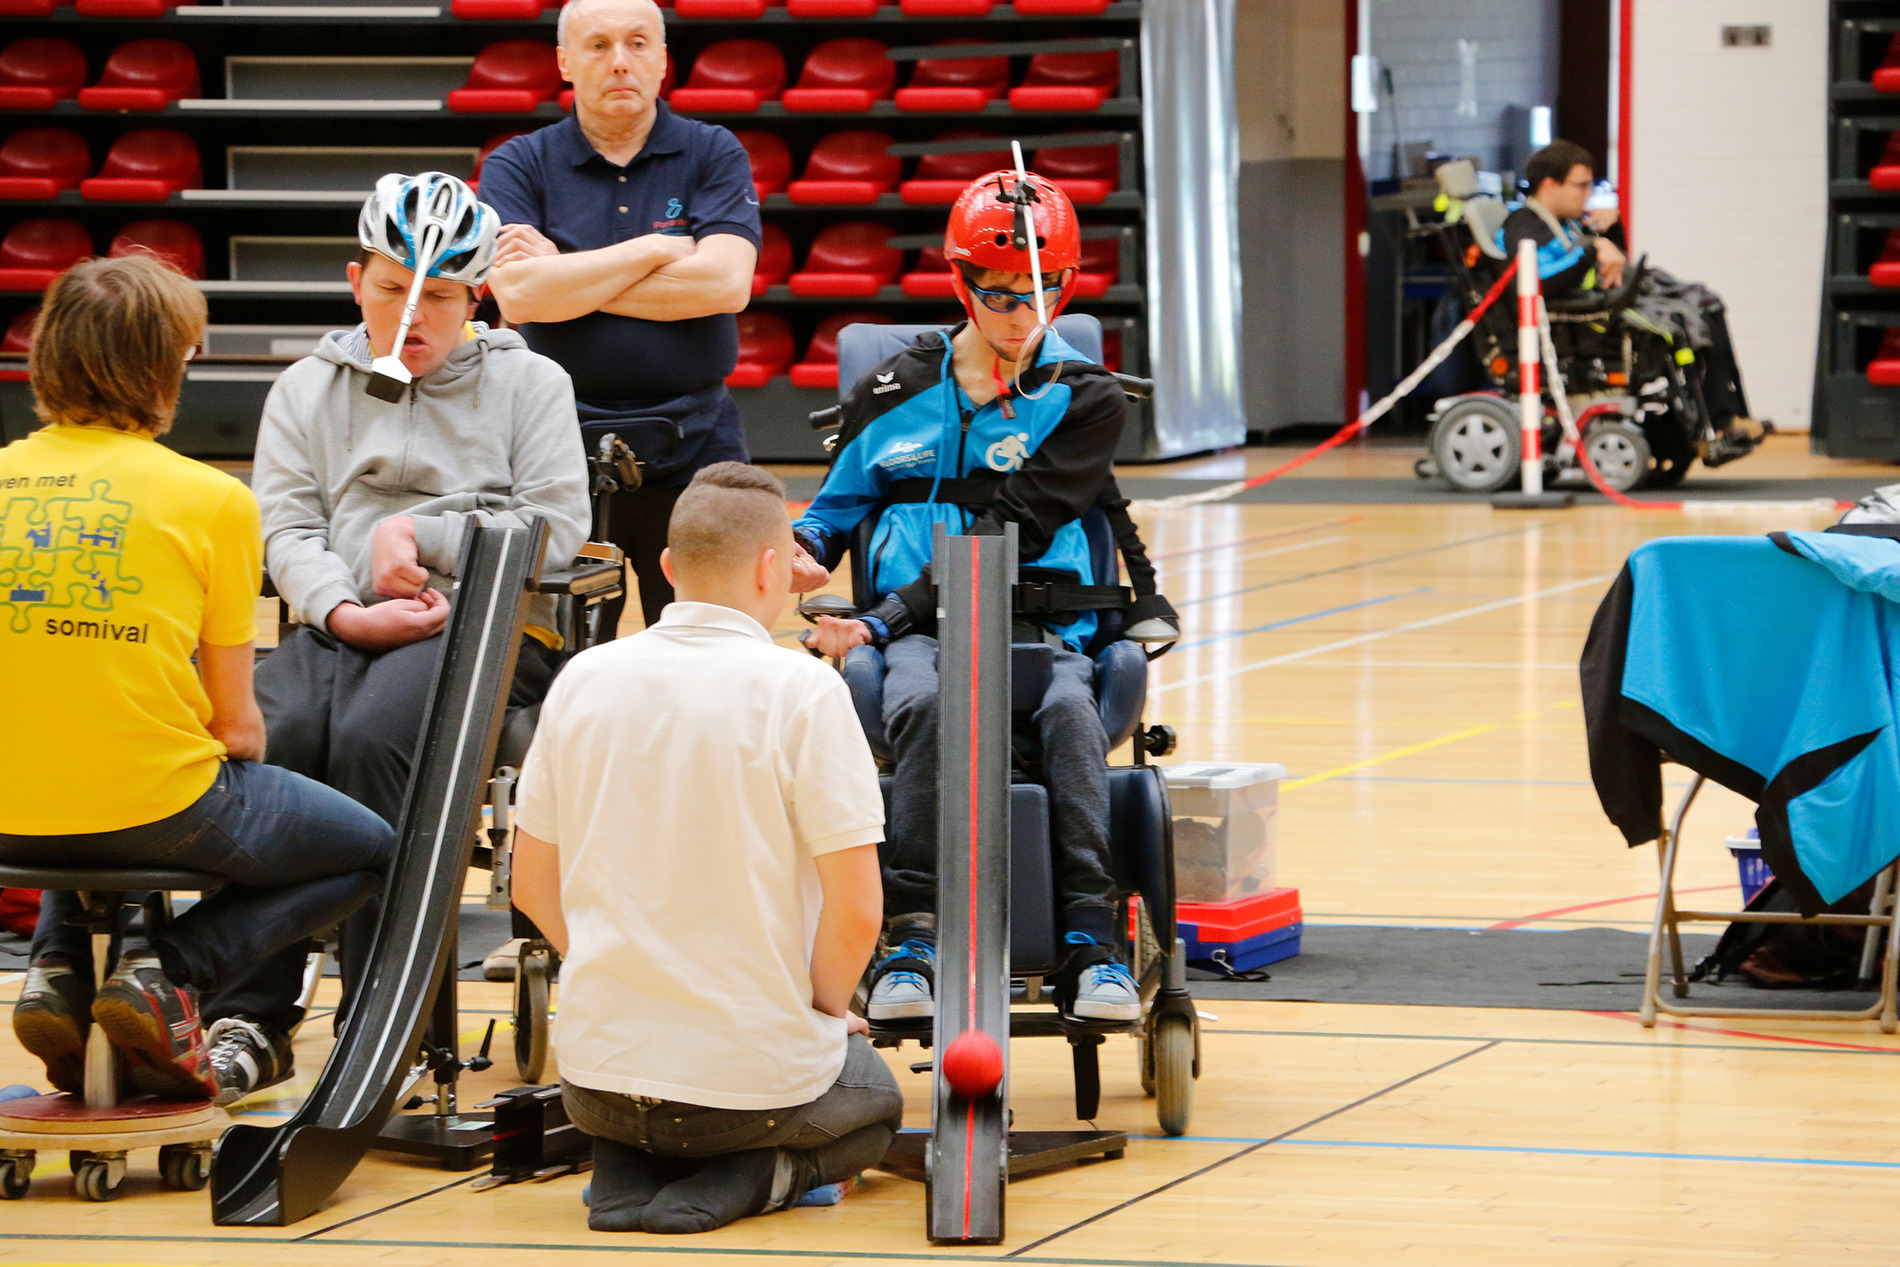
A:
(117, 557)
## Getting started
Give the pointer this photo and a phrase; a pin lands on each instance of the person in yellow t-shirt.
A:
(119, 562)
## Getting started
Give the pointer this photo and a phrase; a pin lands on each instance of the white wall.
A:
(1729, 176)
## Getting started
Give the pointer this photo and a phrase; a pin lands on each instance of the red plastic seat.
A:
(1885, 175)
(1887, 78)
(843, 76)
(1087, 173)
(19, 338)
(848, 167)
(1111, 349)
(833, 8)
(930, 277)
(848, 261)
(149, 165)
(489, 146)
(745, 9)
(1886, 269)
(733, 76)
(939, 178)
(1068, 81)
(946, 8)
(37, 74)
(172, 241)
(41, 163)
(771, 160)
(1884, 369)
(1061, 8)
(143, 75)
(955, 83)
(765, 349)
(775, 260)
(501, 10)
(31, 8)
(34, 252)
(124, 8)
(1101, 267)
(509, 77)
(819, 366)
(666, 84)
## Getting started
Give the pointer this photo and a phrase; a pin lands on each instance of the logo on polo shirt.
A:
(673, 209)
(674, 213)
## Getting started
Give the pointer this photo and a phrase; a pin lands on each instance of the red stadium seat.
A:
(19, 338)
(833, 8)
(509, 77)
(955, 83)
(848, 167)
(37, 74)
(941, 177)
(765, 349)
(819, 368)
(843, 76)
(173, 241)
(946, 8)
(1884, 369)
(666, 85)
(1101, 267)
(1061, 8)
(143, 75)
(1111, 349)
(501, 10)
(751, 10)
(1885, 175)
(41, 163)
(1087, 173)
(733, 76)
(771, 160)
(145, 166)
(930, 279)
(848, 261)
(34, 252)
(124, 8)
(1068, 81)
(1887, 78)
(489, 146)
(775, 260)
(31, 8)
(1886, 269)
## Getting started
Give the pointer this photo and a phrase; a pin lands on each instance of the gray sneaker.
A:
(1107, 992)
(246, 1057)
(903, 985)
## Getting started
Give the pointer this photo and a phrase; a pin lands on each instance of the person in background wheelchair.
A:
(365, 503)
(123, 560)
(984, 426)
(1572, 258)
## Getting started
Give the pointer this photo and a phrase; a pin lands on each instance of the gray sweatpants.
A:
(1074, 767)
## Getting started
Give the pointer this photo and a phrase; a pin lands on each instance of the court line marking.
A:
(1591, 906)
(394, 1205)
(1251, 555)
(1408, 627)
(1836, 1050)
(1410, 750)
(1585, 1152)
(1264, 536)
(1253, 1148)
(1365, 563)
(1300, 620)
(1742, 1033)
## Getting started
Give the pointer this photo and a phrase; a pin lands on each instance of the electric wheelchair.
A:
(1634, 390)
(1141, 835)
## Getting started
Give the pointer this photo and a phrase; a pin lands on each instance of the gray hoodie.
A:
(491, 433)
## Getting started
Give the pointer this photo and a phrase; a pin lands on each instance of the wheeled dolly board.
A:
(97, 1141)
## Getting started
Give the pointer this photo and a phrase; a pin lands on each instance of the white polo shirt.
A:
(689, 775)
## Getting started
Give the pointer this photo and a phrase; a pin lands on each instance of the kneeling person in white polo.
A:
(697, 834)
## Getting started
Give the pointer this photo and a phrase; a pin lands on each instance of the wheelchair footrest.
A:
(1029, 1151)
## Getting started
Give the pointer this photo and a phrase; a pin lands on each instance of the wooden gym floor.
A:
(1414, 668)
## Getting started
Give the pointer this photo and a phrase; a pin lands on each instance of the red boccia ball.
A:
(973, 1065)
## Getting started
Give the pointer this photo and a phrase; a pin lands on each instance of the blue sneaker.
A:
(1105, 990)
(904, 984)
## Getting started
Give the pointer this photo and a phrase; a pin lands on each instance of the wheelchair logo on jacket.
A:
(1008, 453)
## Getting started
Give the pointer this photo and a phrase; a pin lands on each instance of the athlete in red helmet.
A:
(991, 424)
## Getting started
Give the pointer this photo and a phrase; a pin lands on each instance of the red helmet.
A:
(982, 230)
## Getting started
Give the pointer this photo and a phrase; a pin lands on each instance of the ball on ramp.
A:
(973, 1065)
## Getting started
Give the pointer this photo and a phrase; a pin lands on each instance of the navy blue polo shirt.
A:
(689, 178)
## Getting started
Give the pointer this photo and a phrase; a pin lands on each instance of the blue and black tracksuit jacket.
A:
(914, 447)
(1564, 267)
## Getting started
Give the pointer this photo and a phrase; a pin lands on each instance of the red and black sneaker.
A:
(155, 1023)
(51, 1018)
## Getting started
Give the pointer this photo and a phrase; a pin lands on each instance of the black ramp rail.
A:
(968, 1163)
(277, 1175)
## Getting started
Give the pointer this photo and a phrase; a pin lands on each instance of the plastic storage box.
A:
(1755, 873)
(1226, 829)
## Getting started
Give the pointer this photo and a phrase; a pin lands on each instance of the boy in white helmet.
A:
(364, 504)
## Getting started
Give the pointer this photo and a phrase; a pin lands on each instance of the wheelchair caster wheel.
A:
(1158, 741)
(1174, 1074)
(184, 1167)
(99, 1178)
(531, 1013)
(16, 1175)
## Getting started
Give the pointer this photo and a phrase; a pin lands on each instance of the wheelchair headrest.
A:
(1458, 178)
(1486, 216)
(862, 347)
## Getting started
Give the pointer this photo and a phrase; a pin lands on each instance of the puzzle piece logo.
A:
(64, 553)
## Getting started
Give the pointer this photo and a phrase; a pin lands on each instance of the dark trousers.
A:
(300, 857)
(1074, 768)
(847, 1129)
(351, 719)
(637, 522)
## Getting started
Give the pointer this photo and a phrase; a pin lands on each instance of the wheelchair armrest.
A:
(587, 576)
(1134, 387)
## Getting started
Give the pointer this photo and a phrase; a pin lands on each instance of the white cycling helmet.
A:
(394, 216)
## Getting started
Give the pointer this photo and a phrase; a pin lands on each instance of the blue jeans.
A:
(300, 857)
